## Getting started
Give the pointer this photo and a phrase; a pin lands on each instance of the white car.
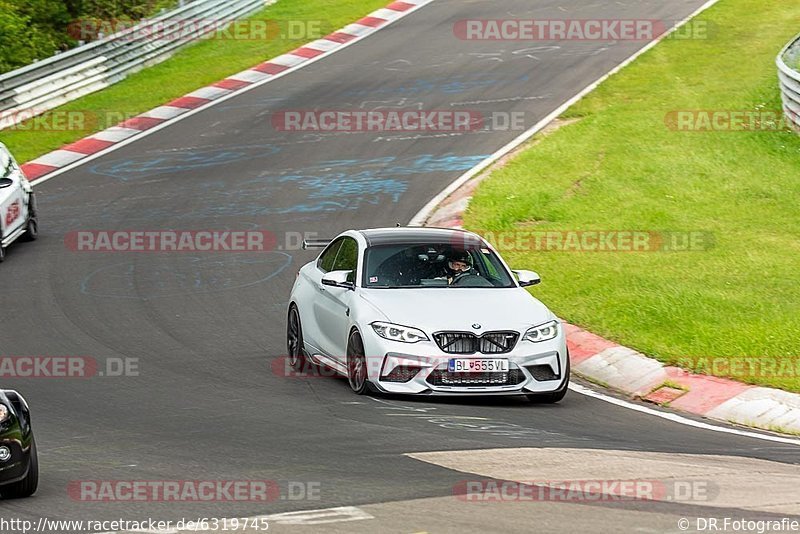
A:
(17, 203)
(425, 311)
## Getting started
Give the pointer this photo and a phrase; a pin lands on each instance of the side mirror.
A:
(338, 279)
(527, 278)
(6, 182)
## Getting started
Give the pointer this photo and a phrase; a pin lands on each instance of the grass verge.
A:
(193, 67)
(623, 167)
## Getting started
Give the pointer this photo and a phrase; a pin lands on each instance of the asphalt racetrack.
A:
(205, 330)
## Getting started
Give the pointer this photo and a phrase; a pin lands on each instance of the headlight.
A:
(395, 332)
(4, 413)
(543, 332)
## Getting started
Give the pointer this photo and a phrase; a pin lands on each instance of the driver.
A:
(458, 263)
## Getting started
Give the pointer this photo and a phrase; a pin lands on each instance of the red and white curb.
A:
(74, 154)
(722, 399)
(623, 368)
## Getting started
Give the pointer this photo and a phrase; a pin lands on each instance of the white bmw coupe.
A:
(425, 311)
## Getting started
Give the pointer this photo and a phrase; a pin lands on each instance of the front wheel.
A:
(294, 339)
(31, 229)
(554, 396)
(357, 365)
(27, 486)
(32, 224)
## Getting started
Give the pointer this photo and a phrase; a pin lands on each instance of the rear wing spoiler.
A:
(315, 243)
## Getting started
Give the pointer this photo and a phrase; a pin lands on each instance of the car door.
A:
(312, 294)
(332, 308)
(12, 198)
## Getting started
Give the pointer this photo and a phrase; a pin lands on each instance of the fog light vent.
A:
(401, 373)
(542, 373)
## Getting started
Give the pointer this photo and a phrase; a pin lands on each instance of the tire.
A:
(31, 229)
(357, 375)
(294, 339)
(2, 250)
(554, 396)
(27, 486)
(33, 209)
(32, 224)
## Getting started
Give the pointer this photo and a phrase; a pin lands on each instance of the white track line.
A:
(577, 388)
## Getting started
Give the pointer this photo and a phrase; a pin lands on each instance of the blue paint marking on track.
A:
(328, 186)
(180, 160)
(349, 184)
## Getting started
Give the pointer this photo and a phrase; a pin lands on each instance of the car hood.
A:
(438, 309)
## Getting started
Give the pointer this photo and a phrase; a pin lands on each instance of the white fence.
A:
(788, 66)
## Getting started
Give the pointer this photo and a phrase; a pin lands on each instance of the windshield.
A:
(6, 164)
(436, 265)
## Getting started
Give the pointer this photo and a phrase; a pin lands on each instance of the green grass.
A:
(193, 67)
(621, 168)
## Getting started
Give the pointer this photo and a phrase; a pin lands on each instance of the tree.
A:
(23, 42)
(36, 29)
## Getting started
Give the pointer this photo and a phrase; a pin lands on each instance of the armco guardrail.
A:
(64, 77)
(788, 72)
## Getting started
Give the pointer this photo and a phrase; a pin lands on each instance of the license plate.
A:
(472, 365)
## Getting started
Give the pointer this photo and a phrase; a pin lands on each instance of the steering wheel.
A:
(471, 280)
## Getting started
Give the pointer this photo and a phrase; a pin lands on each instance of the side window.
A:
(347, 259)
(6, 164)
(328, 257)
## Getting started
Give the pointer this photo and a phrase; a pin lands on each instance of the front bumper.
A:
(534, 368)
(16, 467)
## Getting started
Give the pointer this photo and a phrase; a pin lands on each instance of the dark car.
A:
(19, 464)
